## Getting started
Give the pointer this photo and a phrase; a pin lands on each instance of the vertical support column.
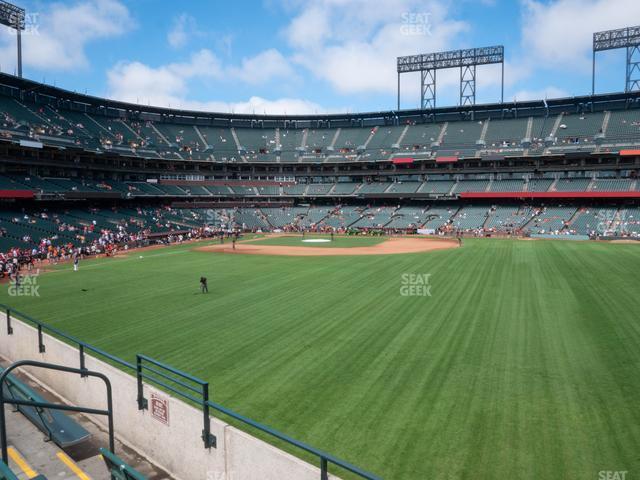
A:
(41, 347)
(398, 90)
(428, 89)
(632, 83)
(593, 73)
(9, 327)
(467, 85)
(324, 469)
(83, 368)
(142, 402)
(502, 84)
(19, 42)
(209, 440)
(422, 88)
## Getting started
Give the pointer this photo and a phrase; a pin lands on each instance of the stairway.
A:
(556, 125)
(442, 133)
(201, 137)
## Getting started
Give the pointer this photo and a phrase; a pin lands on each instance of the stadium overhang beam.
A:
(466, 59)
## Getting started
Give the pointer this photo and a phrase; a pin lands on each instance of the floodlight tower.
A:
(629, 38)
(13, 17)
(466, 60)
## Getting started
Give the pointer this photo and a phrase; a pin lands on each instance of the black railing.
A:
(161, 373)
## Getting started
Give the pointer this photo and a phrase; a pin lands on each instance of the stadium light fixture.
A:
(14, 17)
(629, 38)
(466, 59)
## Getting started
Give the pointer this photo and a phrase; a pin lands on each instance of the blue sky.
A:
(299, 56)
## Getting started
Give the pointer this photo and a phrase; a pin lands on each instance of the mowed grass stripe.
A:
(523, 363)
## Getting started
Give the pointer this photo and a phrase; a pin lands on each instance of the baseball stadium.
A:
(440, 292)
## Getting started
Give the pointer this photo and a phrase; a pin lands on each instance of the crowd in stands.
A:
(53, 237)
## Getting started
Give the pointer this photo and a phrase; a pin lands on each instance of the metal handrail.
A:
(324, 457)
(53, 406)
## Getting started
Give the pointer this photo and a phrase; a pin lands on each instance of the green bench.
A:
(60, 428)
(118, 469)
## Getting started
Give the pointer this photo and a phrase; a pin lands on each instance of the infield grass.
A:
(524, 363)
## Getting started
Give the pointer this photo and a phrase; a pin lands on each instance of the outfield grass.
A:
(338, 241)
(524, 362)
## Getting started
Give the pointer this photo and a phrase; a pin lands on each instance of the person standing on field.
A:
(76, 260)
(203, 285)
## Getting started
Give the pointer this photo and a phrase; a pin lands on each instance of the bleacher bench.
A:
(60, 428)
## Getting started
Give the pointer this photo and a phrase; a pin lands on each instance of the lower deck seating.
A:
(508, 218)
(588, 221)
(470, 218)
(550, 220)
(408, 217)
(375, 218)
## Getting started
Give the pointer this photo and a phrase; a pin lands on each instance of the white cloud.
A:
(168, 86)
(258, 105)
(560, 33)
(547, 92)
(132, 81)
(262, 68)
(354, 47)
(61, 33)
(178, 35)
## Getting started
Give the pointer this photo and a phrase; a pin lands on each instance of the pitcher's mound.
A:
(391, 246)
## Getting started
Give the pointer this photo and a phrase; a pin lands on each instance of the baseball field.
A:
(500, 359)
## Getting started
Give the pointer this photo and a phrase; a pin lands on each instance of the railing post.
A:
(209, 439)
(324, 469)
(9, 327)
(41, 347)
(83, 368)
(142, 402)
